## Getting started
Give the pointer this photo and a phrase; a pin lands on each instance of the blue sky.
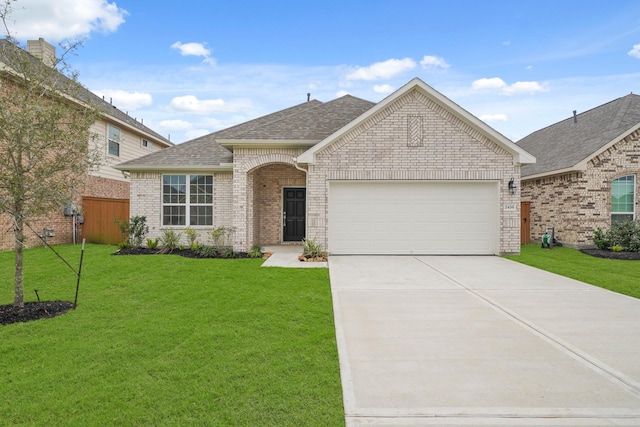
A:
(193, 67)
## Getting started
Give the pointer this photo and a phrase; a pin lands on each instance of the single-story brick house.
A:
(586, 172)
(413, 174)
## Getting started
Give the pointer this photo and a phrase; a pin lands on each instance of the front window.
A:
(623, 199)
(190, 204)
(114, 140)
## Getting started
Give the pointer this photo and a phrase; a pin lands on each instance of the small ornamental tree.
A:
(45, 149)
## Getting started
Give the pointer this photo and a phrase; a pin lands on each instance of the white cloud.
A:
(194, 49)
(525, 87)
(342, 93)
(493, 117)
(125, 100)
(191, 104)
(635, 52)
(430, 63)
(63, 19)
(174, 125)
(383, 88)
(513, 89)
(493, 83)
(382, 70)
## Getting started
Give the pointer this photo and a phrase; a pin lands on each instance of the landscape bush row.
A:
(621, 237)
(135, 230)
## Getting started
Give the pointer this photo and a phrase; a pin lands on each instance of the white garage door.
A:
(413, 217)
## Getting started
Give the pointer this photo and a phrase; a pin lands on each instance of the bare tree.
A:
(45, 138)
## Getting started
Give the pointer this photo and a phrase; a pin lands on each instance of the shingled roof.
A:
(308, 122)
(568, 144)
(8, 57)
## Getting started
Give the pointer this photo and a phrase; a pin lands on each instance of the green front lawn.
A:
(166, 340)
(616, 275)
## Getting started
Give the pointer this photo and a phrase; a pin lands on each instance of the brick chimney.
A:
(42, 50)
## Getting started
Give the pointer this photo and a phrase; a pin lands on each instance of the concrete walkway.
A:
(481, 341)
(286, 256)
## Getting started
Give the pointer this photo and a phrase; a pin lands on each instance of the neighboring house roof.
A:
(85, 95)
(568, 146)
(303, 124)
(520, 155)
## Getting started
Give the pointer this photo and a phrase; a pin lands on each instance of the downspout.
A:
(295, 165)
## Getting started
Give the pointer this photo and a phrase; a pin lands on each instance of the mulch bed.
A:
(602, 253)
(187, 253)
(33, 311)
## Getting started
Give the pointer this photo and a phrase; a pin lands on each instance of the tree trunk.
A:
(18, 233)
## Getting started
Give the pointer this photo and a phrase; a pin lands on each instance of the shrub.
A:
(124, 244)
(228, 252)
(206, 251)
(600, 239)
(170, 240)
(134, 230)
(152, 243)
(221, 236)
(312, 249)
(191, 234)
(625, 235)
(255, 251)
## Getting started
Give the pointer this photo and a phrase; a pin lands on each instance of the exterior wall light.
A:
(512, 187)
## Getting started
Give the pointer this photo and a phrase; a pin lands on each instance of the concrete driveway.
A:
(481, 341)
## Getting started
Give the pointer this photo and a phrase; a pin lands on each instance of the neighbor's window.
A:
(187, 204)
(623, 198)
(114, 140)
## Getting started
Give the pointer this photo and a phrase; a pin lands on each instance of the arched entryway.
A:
(279, 204)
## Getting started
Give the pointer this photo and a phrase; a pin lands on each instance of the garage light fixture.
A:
(512, 187)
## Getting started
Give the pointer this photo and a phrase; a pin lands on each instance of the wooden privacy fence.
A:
(99, 214)
(525, 222)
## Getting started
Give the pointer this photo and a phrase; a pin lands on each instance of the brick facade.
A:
(146, 200)
(250, 167)
(106, 188)
(61, 224)
(577, 203)
(269, 182)
(380, 149)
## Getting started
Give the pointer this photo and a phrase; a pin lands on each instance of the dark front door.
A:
(293, 214)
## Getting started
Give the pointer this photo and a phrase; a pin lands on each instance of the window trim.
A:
(633, 206)
(188, 204)
(146, 144)
(116, 143)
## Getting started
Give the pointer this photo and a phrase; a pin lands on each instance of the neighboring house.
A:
(413, 174)
(586, 174)
(106, 194)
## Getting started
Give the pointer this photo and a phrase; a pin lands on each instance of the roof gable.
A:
(570, 144)
(520, 155)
